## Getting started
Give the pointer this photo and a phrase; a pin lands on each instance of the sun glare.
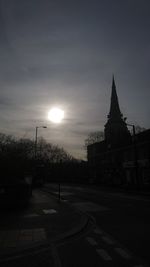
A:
(56, 115)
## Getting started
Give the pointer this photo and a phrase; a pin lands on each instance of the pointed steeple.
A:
(115, 112)
(116, 131)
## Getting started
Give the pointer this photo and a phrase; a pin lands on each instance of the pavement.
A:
(43, 223)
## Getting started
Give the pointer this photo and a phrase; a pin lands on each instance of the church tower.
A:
(116, 131)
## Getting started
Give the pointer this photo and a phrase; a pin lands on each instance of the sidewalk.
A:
(45, 221)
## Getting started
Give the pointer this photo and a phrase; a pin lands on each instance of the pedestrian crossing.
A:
(107, 249)
(110, 250)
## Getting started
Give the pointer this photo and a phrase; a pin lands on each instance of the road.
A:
(120, 236)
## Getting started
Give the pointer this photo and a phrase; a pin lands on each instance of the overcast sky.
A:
(63, 53)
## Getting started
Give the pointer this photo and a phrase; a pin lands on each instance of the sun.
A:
(56, 115)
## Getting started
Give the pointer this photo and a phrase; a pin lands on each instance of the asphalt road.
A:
(121, 234)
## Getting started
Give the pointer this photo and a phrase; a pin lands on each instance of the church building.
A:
(121, 158)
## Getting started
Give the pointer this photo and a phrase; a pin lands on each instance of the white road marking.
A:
(49, 211)
(98, 231)
(122, 253)
(104, 255)
(17, 238)
(92, 241)
(108, 240)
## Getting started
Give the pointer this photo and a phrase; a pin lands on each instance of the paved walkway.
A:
(46, 220)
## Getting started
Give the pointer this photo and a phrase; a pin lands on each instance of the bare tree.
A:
(94, 137)
(139, 129)
(52, 153)
(17, 155)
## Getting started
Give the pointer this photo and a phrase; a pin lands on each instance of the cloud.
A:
(64, 53)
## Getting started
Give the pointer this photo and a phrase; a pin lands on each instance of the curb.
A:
(85, 222)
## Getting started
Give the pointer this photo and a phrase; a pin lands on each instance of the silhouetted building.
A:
(120, 158)
(116, 131)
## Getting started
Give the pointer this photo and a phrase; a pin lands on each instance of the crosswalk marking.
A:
(21, 237)
(104, 255)
(49, 211)
(123, 253)
(91, 241)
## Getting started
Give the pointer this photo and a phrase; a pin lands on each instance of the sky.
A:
(63, 53)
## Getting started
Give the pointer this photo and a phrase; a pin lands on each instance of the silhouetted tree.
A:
(139, 129)
(94, 137)
(17, 156)
(52, 153)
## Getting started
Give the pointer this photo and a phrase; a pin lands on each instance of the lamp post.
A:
(135, 154)
(36, 136)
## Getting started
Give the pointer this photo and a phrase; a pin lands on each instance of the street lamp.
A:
(135, 154)
(36, 135)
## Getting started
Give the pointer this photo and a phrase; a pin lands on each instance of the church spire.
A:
(116, 131)
(115, 112)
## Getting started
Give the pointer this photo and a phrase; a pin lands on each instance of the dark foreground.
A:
(89, 227)
(122, 233)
